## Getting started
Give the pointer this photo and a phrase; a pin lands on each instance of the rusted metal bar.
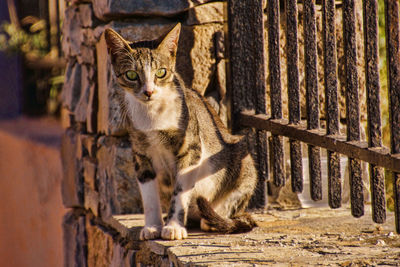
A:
(296, 165)
(331, 98)
(335, 143)
(370, 11)
(246, 75)
(393, 61)
(352, 108)
(312, 102)
(275, 89)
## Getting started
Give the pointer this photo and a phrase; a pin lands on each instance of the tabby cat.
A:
(180, 144)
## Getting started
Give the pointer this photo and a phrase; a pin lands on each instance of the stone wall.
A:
(99, 179)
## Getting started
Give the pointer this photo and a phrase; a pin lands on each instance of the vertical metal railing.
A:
(370, 11)
(296, 166)
(331, 100)
(393, 60)
(247, 95)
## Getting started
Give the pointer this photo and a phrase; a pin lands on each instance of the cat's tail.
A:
(239, 223)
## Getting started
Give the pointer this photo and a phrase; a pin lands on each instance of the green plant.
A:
(31, 42)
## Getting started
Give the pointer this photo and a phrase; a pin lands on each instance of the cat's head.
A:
(144, 69)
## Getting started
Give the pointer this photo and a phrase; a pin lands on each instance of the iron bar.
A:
(352, 108)
(275, 89)
(312, 102)
(393, 61)
(246, 76)
(331, 100)
(370, 11)
(335, 143)
(296, 166)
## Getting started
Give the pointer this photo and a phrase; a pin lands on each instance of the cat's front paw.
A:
(150, 232)
(173, 231)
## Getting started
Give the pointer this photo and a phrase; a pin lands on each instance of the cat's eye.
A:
(160, 73)
(131, 75)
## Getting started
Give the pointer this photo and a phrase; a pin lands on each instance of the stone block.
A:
(71, 32)
(104, 250)
(86, 55)
(91, 111)
(207, 13)
(91, 196)
(74, 234)
(91, 201)
(89, 172)
(196, 57)
(117, 9)
(72, 182)
(71, 91)
(117, 186)
(88, 37)
(109, 119)
(80, 109)
(86, 15)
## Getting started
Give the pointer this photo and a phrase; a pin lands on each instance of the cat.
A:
(180, 144)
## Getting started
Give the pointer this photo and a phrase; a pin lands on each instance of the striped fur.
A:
(183, 150)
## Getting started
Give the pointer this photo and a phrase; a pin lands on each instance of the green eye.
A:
(131, 75)
(160, 73)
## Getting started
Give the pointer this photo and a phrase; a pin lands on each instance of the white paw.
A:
(173, 231)
(150, 232)
(205, 227)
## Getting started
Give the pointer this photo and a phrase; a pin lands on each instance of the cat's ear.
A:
(170, 42)
(115, 43)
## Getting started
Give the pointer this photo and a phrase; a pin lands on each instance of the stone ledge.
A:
(318, 236)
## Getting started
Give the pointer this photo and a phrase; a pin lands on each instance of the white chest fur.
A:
(160, 114)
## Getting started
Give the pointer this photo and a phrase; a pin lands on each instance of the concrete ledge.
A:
(306, 237)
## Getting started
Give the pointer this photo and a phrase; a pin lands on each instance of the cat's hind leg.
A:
(227, 213)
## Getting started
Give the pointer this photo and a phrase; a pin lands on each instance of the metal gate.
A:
(247, 88)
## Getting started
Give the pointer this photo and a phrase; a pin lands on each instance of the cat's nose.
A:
(148, 93)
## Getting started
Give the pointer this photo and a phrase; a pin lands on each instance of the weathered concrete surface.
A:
(305, 237)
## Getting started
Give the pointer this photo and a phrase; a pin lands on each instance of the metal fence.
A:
(246, 84)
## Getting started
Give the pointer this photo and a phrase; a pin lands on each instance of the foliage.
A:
(31, 42)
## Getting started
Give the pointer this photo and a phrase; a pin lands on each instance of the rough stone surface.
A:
(71, 32)
(117, 186)
(106, 10)
(104, 250)
(81, 108)
(306, 237)
(109, 119)
(72, 182)
(91, 196)
(207, 13)
(75, 240)
(71, 92)
(86, 15)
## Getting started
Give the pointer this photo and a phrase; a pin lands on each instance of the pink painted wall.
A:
(31, 208)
